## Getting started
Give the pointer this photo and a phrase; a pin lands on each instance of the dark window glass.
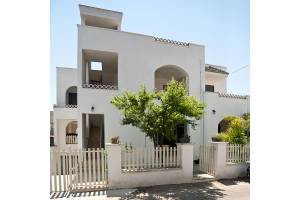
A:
(51, 141)
(72, 98)
(209, 88)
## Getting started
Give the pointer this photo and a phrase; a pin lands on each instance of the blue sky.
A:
(222, 26)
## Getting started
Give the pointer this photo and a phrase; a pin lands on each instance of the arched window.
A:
(71, 96)
(71, 133)
(166, 73)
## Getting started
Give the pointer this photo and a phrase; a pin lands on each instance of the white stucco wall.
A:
(224, 170)
(61, 126)
(224, 106)
(65, 78)
(218, 80)
(119, 179)
(138, 58)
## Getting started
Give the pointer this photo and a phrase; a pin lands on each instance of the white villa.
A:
(110, 61)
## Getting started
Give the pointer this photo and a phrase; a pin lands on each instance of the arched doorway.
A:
(71, 133)
(71, 96)
(166, 73)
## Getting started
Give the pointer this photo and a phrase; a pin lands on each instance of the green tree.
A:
(158, 114)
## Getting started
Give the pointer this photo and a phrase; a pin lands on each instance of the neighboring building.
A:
(51, 130)
(110, 61)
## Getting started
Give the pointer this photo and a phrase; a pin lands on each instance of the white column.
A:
(114, 164)
(81, 132)
(220, 159)
(55, 130)
(87, 69)
(187, 160)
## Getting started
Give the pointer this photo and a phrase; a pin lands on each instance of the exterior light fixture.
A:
(214, 111)
(92, 108)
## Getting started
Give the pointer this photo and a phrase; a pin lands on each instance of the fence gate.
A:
(78, 170)
(207, 158)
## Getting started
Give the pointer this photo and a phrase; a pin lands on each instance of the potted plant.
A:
(115, 140)
(218, 138)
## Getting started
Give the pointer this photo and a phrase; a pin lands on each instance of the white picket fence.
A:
(236, 153)
(150, 158)
(207, 158)
(82, 169)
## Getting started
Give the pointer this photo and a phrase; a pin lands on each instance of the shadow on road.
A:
(182, 191)
(229, 182)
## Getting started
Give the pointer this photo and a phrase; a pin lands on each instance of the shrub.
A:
(220, 137)
(225, 123)
(246, 116)
(236, 132)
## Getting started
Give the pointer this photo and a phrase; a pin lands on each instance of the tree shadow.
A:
(177, 192)
(229, 182)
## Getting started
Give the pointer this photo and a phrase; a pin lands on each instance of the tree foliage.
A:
(238, 131)
(159, 113)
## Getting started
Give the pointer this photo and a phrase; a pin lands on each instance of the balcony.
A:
(100, 70)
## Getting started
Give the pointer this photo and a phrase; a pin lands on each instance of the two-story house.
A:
(110, 61)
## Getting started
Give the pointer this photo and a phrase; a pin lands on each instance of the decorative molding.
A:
(95, 86)
(235, 96)
(185, 44)
(70, 106)
(65, 106)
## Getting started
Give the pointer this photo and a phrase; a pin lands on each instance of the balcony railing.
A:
(65, 106)
(71, 138)
(98, 86)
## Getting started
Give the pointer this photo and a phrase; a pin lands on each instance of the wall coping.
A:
(219, 142)
(110, 144)
(152, 170)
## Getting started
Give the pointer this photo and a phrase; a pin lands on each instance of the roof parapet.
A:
(174, 42)
(235, 96)
(216, 69)
(98, 17)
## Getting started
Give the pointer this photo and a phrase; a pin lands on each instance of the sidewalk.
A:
(238, 189)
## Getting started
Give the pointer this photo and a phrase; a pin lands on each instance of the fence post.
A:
(187, 160)
(113, 164)
(220, 159)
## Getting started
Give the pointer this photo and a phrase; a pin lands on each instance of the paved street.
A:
(223, 189)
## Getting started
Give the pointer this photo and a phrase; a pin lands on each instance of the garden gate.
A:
(207, 158)
(78, 170)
